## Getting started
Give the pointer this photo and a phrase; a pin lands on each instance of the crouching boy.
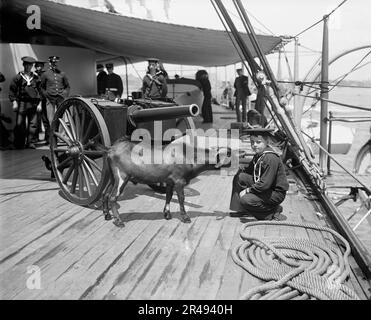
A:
(261, 187)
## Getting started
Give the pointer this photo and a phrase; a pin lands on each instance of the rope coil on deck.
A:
(295, 269)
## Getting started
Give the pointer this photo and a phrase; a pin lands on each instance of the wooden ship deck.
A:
(82, 256)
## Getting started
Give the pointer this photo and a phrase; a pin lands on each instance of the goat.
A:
(176, 171)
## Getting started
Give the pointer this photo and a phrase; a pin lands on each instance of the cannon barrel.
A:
(163, 113)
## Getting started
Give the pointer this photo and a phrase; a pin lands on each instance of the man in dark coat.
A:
(101, 80)
(54, 87)
(113, 82)
(241, 84)
(259, 188)
(207, 112)
(42, 114)
(24, 93)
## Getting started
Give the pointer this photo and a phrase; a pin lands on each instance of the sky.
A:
(349, 26)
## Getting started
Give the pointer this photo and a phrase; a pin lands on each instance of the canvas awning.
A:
(115, 35)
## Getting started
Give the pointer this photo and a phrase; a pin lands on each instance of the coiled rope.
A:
(295, 269)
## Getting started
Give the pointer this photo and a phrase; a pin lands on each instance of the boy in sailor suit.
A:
(261, 187)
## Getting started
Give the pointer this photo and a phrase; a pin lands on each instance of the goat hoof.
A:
(107, 217)
(119, 223)
(185, 219)
(167, 215)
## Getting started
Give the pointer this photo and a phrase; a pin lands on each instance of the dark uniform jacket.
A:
(241, 84)
(54, 83)
(101, 82)
(114, 81)
(268, 172)
(21, 90)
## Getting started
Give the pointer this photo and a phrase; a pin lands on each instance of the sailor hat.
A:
(258, 130)
(153, 60)
(53, 59)
(28, 60)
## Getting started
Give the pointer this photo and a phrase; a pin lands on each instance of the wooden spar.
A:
(298, 109)
(279, 66)
(324, 95)
(127, 79)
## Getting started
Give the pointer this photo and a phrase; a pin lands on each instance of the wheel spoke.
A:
(93, 163)
(59, 149)
(68, 132)
(90, 171)
(62, 165)
(83, 115)
(72, 125)
(87, 132)
(81, 182)
(68, 173)
(85, 176)
(74, 178)
(63, 138)
(77, 123)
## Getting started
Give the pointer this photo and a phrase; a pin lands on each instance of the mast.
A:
(324, 95)
(298, 110)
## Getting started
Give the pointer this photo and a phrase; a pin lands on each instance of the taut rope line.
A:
(295, 268)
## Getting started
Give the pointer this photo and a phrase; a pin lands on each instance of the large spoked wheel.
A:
(187, 126)
(79, 136)
(362, 164)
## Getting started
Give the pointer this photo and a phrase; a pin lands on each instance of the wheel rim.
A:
(78, 138)
(363, 161)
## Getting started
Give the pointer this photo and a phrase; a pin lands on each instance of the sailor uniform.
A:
(114, 84)
(55, 88)
(154, 87)
(101, 82)
(241, 84)
(25, 89)
(266, 179)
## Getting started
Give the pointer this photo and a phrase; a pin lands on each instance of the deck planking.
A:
(82, 256)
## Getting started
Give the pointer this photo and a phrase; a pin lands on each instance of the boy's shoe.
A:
(277, 216)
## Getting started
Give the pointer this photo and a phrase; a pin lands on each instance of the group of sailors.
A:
(34, 95)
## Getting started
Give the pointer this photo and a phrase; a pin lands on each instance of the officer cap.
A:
(109, 65)
(53, 59)
(39, 63)
(28, 60)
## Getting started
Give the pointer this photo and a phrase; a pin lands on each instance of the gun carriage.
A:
(83, 127)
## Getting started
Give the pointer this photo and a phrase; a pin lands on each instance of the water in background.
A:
(357, 97)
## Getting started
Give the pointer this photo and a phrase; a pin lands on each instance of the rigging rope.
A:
(353, 69)
(294, 268)
(314, 24)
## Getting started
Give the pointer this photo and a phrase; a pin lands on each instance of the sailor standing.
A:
(113, 82)
(42, 115)
(24, 92)
(241, 84)
(101, 80)
(54, 87)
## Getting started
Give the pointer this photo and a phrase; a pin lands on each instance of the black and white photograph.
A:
(185, 154)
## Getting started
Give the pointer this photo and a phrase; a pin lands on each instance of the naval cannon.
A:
(82, 126)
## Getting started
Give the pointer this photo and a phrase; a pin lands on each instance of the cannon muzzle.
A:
(163, 113)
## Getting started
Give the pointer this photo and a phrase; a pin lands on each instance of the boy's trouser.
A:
(262, 206)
